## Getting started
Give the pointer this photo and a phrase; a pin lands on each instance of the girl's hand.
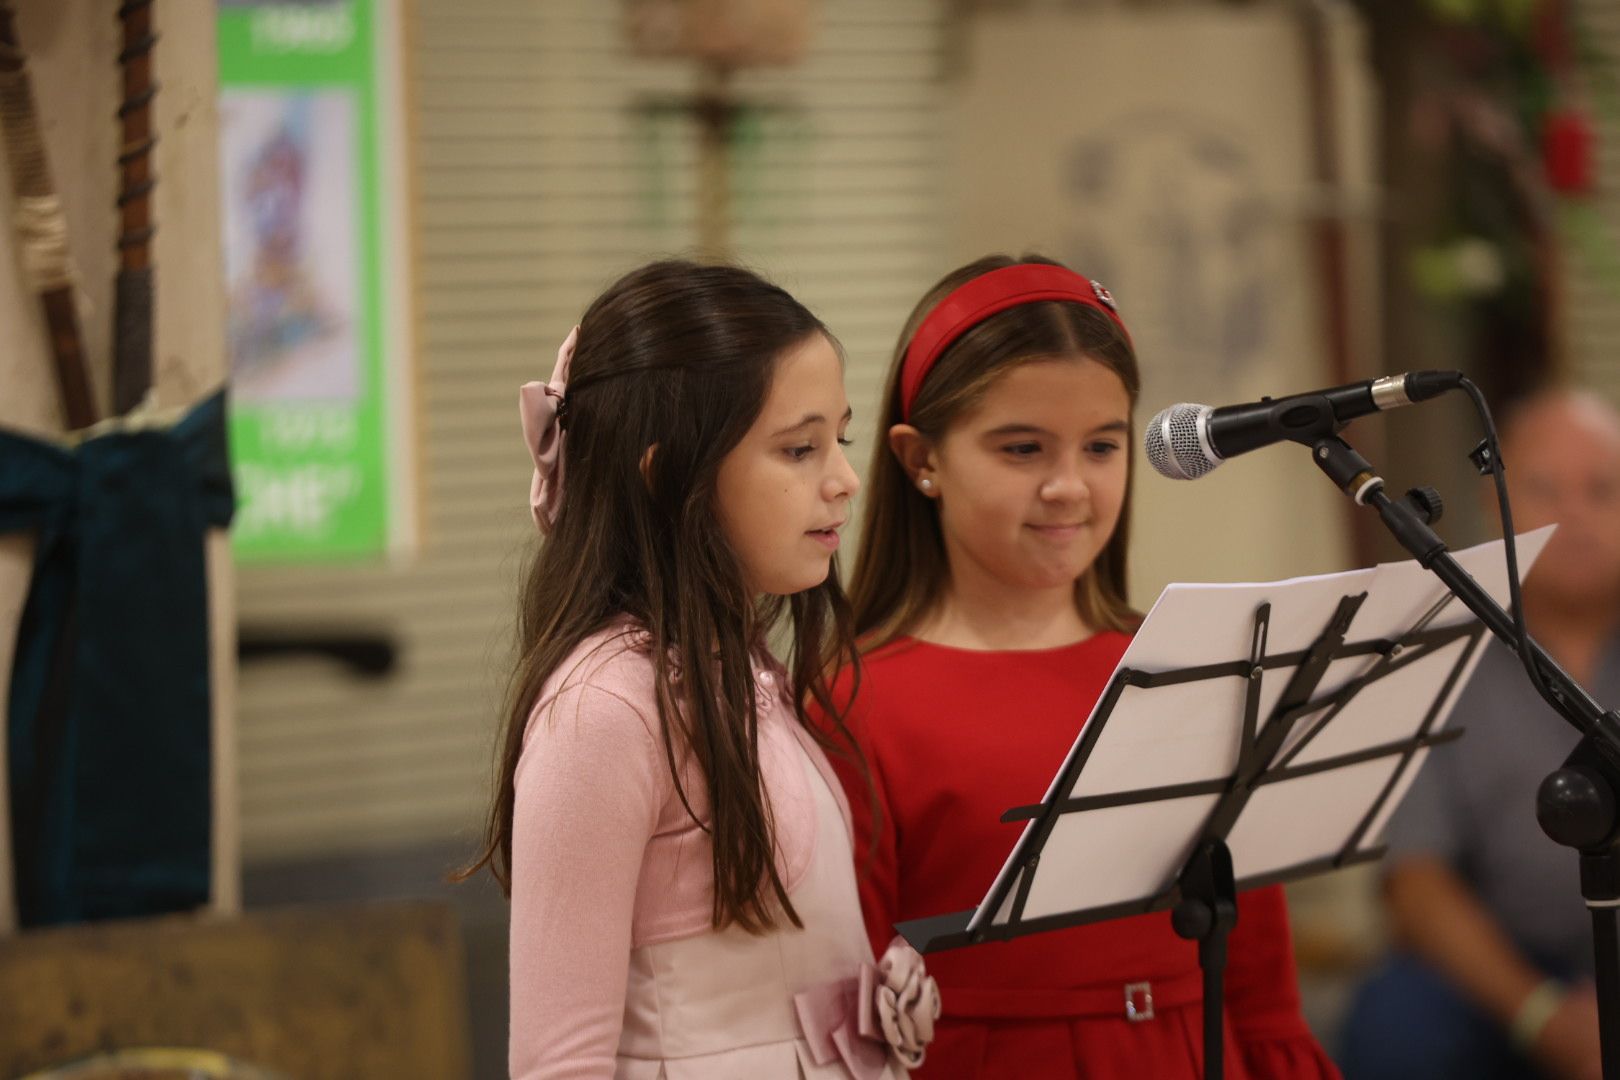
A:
(907, 1002)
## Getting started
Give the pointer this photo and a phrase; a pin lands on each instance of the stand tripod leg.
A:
(1606, 941)
(1577, 807)
(1206, 914)
(1212, 958)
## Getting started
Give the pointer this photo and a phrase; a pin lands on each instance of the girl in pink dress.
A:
(675, 845)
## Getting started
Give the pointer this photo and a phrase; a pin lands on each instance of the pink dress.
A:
(615, 968)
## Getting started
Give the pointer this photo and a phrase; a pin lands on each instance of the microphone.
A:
(1186, 441)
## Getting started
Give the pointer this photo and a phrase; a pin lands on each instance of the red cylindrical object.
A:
(1567, 151)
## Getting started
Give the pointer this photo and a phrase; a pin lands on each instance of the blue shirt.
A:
(1474, 806)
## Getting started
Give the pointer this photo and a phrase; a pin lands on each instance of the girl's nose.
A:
(842, 481)
(1066, 485)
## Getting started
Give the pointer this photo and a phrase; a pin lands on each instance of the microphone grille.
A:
(1174, 446)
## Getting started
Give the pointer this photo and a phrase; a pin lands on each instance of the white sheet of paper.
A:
(1191, 732)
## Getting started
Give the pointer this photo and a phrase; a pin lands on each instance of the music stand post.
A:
(1206, 913)
(1577, 805)
(1201, 892)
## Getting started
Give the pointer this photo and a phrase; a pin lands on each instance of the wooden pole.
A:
(132, 304)
(41, 226)
(715, 113)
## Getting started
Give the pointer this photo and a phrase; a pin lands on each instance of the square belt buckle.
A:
(1138, 1002)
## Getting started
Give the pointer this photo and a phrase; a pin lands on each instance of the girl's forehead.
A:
(1065, 391)
(811, 368)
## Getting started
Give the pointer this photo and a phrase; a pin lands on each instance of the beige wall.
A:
(1591, 267)
(72, 45)
(1168, 153)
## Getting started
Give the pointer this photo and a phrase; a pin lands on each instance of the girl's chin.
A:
(1042, 581)
(788, 584)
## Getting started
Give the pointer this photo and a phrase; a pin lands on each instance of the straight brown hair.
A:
(677, 356)
(902, 572)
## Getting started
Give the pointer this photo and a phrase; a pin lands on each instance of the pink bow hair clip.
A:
(541, 407)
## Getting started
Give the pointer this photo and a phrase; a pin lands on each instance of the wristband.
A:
(1535, 1011)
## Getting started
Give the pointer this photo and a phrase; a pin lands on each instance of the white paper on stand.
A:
(1191, 732)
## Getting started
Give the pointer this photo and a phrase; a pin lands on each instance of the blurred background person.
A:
(1493, 973)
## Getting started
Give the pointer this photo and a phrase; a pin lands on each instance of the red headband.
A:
(977, 300)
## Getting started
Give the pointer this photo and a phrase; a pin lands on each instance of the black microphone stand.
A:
(1577, 805)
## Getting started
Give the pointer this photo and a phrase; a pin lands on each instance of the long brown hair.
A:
(902, 573)
(677, 356)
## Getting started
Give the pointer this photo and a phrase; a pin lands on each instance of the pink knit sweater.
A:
(605, 858)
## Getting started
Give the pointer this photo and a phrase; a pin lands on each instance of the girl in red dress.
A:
(990, 593)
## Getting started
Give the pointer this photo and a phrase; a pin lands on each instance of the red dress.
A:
(955, 737)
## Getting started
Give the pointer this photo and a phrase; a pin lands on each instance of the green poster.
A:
(301, 225)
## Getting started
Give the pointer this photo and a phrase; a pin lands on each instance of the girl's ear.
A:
(915, 452)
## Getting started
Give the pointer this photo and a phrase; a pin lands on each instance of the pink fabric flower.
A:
(907, 1002)
(859, 1020)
